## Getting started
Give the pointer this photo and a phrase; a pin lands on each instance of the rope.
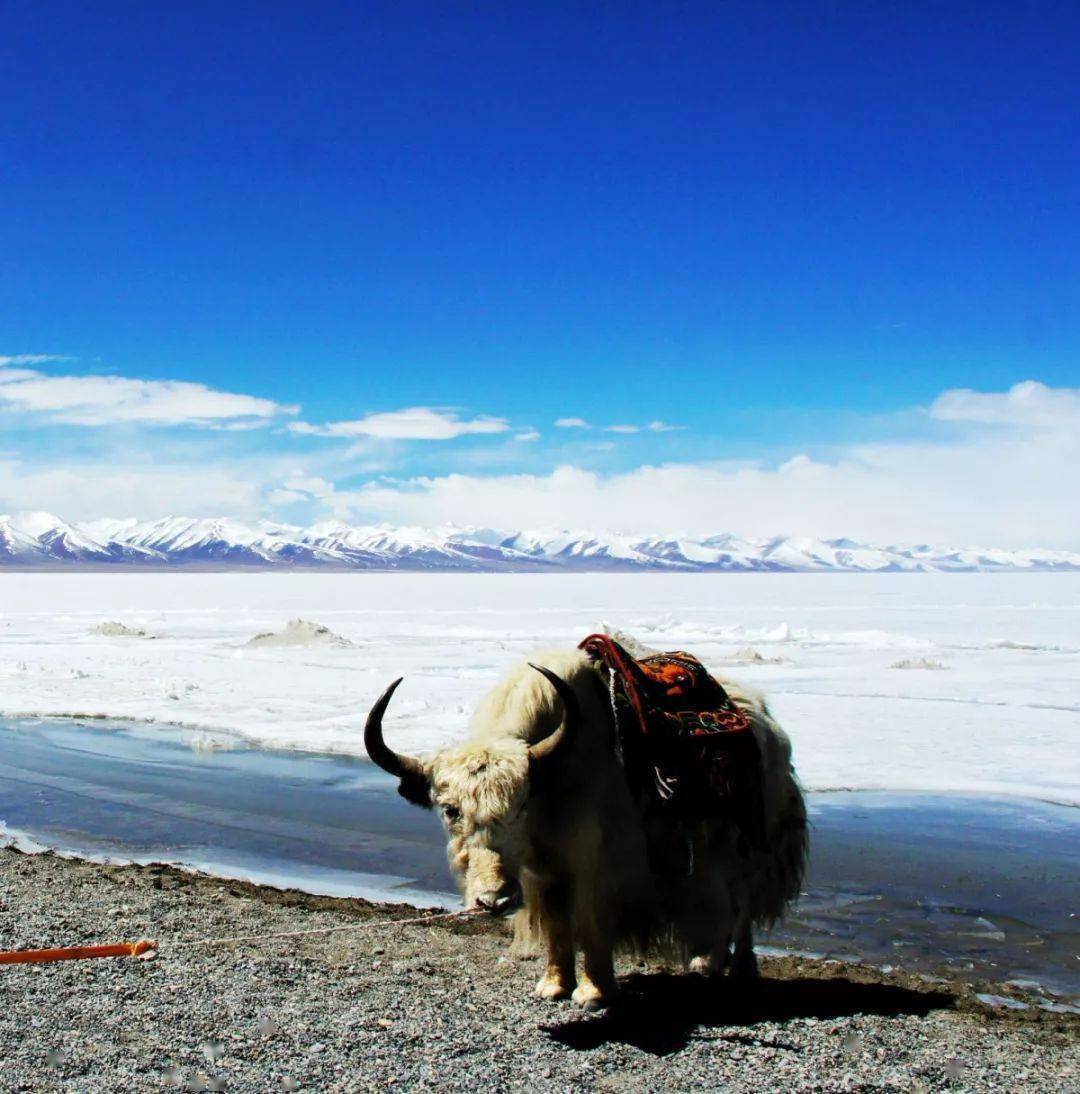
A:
(320, 930)
(145, 948)
(77, 953)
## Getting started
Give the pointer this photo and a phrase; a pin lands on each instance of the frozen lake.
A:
(966, 682)
(963, 887)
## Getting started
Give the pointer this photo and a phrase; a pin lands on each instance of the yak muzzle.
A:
(501, 901)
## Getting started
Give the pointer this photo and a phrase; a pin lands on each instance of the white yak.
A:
(540, 820)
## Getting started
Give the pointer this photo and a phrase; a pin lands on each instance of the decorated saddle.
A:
(688, 749)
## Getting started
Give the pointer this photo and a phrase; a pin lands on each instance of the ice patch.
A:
(1001, 1002)
(299, 632)
(987, 930)
(671, 631)
(178, 692)
(13, 838)
(927, 663)
(1029, 647)
(206, 743)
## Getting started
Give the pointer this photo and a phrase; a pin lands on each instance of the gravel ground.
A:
(442, 1005)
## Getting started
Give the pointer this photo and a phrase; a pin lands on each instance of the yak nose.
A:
(500, 901)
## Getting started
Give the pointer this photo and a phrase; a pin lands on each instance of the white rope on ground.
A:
(464, 913)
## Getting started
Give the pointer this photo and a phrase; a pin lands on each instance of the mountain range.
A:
(43, 541)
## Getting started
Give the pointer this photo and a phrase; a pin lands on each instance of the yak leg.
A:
(743, 962)
(596, 984)
(709, 932)
(558, 980)
(709, 915)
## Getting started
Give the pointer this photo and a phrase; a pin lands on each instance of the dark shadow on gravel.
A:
(661, 1013)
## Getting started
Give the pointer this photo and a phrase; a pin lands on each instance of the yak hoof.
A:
(706, 964)
(552, 987)
(589, 997)
(745, 967)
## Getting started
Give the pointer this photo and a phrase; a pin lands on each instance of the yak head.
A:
(481, 791)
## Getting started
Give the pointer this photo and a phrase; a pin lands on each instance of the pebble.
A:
(446, 1011)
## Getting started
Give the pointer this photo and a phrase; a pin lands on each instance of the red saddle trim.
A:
(671, 691)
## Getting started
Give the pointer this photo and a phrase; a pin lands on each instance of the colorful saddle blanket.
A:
(684, 743)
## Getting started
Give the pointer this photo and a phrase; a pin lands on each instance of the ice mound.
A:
(206, 743)
(113, 628)
(920, 663)
(747, 655)
(636, 649)
(299, 632)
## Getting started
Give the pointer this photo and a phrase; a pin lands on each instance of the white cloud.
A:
(1025, 404)
(282, 496)
(418, 423)
(10, 375)
(1003, 477)
(91, 490)
(649, 427)
(528, 435)
(298, 486)
(30, 359)
(114, 400)
(314, 486)
(1008, 487)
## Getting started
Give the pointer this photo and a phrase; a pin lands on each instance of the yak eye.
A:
(451, 813)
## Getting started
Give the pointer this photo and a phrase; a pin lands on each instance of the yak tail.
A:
(778, 881)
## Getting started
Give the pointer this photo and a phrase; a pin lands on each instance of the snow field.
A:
(1003, 718)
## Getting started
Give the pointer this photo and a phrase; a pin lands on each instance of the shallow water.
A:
(976, 888)
(983, 888)
(332, 825)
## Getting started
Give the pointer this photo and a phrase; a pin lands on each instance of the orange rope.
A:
(77, 953)
(144, 946)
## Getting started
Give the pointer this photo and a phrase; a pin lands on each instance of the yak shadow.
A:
(660, 1013)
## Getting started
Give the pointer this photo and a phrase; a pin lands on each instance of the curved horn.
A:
(566, 733)
(377, 748)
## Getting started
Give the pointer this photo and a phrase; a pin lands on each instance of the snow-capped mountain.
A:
(38, 539)
(42, 541)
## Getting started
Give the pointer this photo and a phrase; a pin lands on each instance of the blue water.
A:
(973, 887)
(328, 824)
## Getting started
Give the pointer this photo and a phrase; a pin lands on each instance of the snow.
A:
(1004, 718)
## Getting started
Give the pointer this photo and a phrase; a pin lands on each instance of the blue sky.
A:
(252, 236)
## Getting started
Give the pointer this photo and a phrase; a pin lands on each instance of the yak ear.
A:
(415, 789)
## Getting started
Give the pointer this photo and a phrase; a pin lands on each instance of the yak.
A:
(541, 821)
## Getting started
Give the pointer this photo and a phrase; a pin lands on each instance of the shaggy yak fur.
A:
(540, 821)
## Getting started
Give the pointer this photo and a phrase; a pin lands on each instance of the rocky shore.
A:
(442, 1005)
